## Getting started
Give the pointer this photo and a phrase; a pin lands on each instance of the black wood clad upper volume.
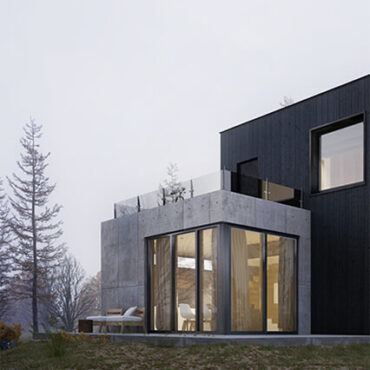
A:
(289, 145)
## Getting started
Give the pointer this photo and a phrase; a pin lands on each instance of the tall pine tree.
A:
(36, 251)
(5, 265)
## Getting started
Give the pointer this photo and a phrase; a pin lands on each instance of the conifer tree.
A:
(35, 250)
(5, 265)
(172, 190)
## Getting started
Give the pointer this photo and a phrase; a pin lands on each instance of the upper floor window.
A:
(338, 154)
(342, 157)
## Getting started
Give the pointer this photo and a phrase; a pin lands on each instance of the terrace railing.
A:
(221, 180)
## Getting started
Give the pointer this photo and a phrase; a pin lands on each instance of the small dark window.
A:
(338, 154)
(248, 178)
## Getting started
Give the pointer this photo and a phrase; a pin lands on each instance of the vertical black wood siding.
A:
(340, 219)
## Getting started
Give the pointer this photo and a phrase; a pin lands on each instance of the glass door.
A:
(185, 282)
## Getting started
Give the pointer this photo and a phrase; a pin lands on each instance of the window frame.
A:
(148, 277)
(223, 279)
(315, 152)
(265, 233)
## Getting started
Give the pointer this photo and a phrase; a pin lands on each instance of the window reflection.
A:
(185, 282)
(246, 280)
(341, 157)
(208, 279)
(160, 290)
(281, 284)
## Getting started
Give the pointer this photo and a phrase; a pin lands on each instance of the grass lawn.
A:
(88, 355)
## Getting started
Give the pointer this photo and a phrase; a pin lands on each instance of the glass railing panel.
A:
(224, 179)
(276, 192)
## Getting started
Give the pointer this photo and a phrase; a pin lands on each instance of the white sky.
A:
(124, 87)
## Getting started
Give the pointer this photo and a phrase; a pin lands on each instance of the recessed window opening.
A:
(342, 157)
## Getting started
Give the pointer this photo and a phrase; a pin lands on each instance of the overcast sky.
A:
(124, 87)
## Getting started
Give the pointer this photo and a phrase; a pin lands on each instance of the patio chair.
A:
(134, 316)
(100, 321)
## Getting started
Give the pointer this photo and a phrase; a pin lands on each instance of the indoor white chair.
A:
(188, 315)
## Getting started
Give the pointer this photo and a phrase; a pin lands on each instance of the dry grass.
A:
(87, 355)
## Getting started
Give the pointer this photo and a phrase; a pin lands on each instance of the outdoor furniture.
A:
(134, 316)
(85, 326)
(101, 320)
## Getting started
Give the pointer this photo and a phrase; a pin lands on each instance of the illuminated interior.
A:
(342, 157)
(183, 282)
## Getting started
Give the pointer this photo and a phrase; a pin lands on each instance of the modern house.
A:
(276, 242)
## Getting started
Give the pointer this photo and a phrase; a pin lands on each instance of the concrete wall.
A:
(123, 241)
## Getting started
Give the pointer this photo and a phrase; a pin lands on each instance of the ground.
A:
(84, 354)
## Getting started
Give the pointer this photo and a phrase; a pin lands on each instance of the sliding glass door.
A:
(263, 282)
(185, 278)
(208, 279)
(160, 292)
(281, 284)
(183, 281)
(246, 280)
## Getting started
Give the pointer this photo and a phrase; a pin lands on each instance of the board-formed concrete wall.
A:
(123, 241)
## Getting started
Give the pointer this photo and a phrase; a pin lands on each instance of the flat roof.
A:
(298, 102)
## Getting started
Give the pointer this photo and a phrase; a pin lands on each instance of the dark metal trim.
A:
(198, 309)
(264, 282)
(185, 231)
(173, 282)
(215, 225)
(148, 276)
(296, 260)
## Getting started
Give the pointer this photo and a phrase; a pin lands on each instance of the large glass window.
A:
(183, 281)
(160, 289)
(342, 156)
(263, 282)
(281, 284)
(246, 280)
(208, 279)
(186, 282)
(183, 271)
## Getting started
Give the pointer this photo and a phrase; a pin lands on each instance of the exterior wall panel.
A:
(340, 298)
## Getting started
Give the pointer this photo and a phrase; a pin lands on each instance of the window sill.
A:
(338, 188)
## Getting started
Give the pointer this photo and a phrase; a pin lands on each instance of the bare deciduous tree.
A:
(72, 297)
(35, 251)
(93, 288)
(5, 264)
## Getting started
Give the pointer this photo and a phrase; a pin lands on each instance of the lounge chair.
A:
(134, 316)
(101, 320)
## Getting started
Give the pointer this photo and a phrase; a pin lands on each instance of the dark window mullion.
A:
(173, 282)
(197, 292)
(149, 272)
(264, 283)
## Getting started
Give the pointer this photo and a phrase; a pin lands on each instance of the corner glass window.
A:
(183, 281)
(341, 157)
